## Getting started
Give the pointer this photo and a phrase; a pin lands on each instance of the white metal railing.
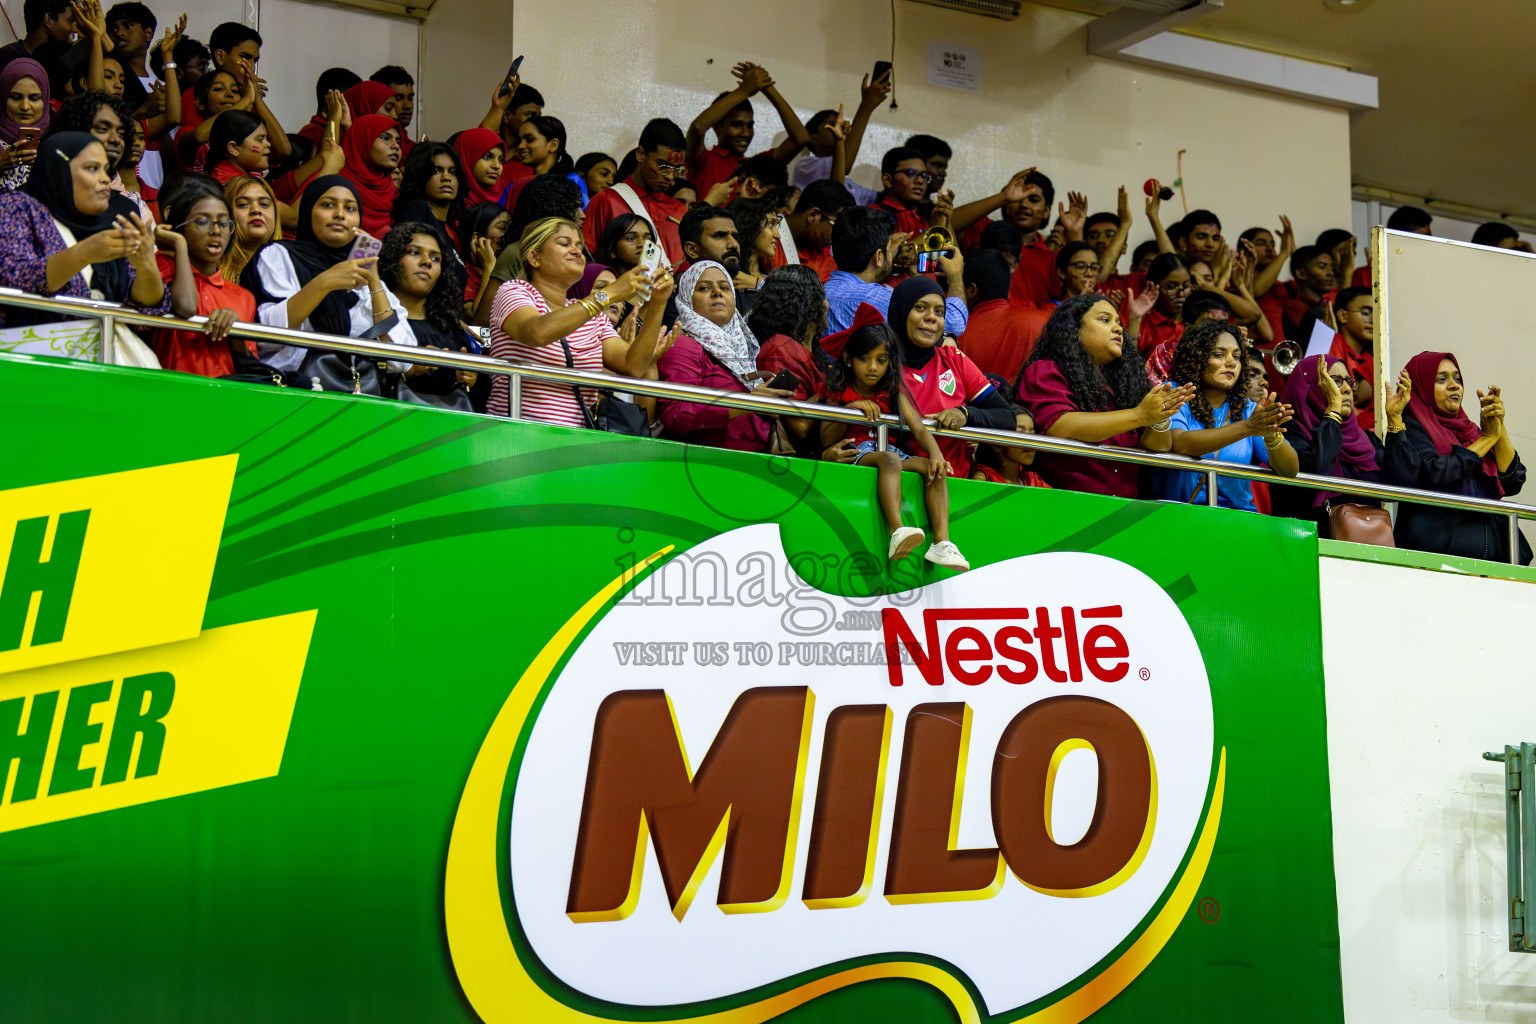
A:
(108, 313)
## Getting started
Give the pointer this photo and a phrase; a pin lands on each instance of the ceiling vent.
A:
(1007, 10)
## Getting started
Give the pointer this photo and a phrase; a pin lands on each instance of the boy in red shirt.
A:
(730, 115)
(200, 233)
(660, 156)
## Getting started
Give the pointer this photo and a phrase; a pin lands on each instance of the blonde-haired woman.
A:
(254, 207)
(532, 321)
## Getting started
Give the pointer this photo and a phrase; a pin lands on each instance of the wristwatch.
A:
(601, 298)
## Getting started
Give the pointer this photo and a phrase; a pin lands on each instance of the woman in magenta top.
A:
(713, 349)
(1083, 383)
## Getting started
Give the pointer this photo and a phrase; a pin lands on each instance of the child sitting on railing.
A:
(866, 376)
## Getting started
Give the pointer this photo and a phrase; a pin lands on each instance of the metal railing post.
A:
(883, 437)
(515, 395)
(108, 337)
(1212, 498)
(1514, 538)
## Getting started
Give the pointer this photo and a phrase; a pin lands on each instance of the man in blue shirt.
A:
(864, 250)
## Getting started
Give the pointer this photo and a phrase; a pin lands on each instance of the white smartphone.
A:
(653, 258)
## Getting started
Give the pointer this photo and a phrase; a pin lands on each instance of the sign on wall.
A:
(953, 66)
(384, 708)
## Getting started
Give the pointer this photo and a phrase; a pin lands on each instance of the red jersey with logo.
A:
(949, 381)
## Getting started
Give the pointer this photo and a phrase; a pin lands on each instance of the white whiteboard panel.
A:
(303, 39)
(1436, 294)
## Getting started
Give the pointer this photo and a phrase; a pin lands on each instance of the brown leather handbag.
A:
(1360, 524)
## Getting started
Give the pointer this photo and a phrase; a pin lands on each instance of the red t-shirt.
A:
(1044, 390)
(949, 381)
(819, 260)
(193, 351)
(1000, 335)
(1157, 328)
(1361, 365)
(711, 167)
(781, 352)
(666, 213)
(908, 220)
(1035, 281)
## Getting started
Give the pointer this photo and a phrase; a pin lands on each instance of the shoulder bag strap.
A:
(787, 241)
(636, 207)
(570, 364)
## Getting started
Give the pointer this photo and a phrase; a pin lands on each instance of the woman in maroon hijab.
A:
(1445, 451)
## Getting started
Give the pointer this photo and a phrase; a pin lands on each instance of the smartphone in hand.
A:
(882, 70)
(28, 136)
(365, 246)
(506, 83)
(784, 380)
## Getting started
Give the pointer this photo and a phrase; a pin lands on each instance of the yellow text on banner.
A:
(126, 729)
(108, 563)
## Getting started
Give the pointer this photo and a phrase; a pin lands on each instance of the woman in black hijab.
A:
(940, 379)
(313, 284)
(62, 235)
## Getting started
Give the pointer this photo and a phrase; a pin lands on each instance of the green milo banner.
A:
(318, 708)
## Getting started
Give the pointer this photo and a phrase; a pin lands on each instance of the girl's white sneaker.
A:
(946, 554)
(903, 541)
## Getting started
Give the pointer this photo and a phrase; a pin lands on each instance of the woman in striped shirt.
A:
(533, 322)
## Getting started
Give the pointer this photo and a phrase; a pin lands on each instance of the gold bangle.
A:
(591, 307)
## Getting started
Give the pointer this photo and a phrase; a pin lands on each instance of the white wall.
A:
(1425, 671)
(1091, 124)
(301, 41)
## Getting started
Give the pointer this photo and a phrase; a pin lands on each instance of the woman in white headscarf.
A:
(714, 349)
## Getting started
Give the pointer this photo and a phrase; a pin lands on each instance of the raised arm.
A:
(751, 80)
(281, 147)
(1117, 244)
(183, 284)
(799, 138)
(964, 216)
(1154, 208)
(162, 123)
(871, 95)
(1265, 279)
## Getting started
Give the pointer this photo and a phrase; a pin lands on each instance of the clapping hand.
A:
(1162, 402)
(1332, 396)
(1491, 412)
(1267, 419)
(1142, 304)
(1397, 398)
(1073, 213)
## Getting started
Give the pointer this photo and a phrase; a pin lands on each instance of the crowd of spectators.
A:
(147, 169)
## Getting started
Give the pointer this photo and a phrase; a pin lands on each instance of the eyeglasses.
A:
(207, 224)
(914, 175)
(1082, 268)
(1367, 314)
(1174, 289)
(665, 168)
(1342, 382)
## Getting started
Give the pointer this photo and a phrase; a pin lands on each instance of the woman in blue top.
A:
(1221, 422)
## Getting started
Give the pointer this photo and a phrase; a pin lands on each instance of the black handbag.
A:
(250, 370)
(612, 414)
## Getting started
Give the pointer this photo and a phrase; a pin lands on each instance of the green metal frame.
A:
(1519, 837)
